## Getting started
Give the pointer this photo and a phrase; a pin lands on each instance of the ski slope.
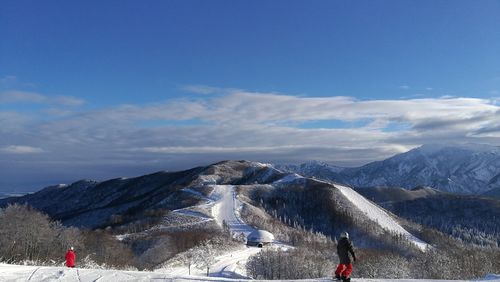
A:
(20, 273)
(229, 265)
(378, 215)
(226, 209)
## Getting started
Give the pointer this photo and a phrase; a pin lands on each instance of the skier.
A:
(344, 247)
(70, 258)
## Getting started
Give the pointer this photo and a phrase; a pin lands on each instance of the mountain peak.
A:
(460, 168)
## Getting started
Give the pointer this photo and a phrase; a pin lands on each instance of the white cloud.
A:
(244, 125)
(211, 149)
(8, 80)
(15, 96)
(18, 149)
(404, 87)
(68, 101)
(203, 89)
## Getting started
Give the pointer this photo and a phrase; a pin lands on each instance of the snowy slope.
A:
(18, 273)
(380, 216)
(226, 209)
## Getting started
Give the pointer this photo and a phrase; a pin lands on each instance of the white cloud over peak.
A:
(238, 124)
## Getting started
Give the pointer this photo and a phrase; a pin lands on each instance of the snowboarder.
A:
(344, 247)
(70, 258)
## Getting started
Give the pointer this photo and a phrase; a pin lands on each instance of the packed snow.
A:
(290, 178)
(20, 273)
(380, 216)
(226, 209)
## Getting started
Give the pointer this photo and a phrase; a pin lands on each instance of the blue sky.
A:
(97, 89)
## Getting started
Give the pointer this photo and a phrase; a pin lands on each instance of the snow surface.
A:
(227, 209)
(380, 216)
(290, 178)
(18, 273)
(230, 266)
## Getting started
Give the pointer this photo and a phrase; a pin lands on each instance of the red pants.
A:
(344, 270)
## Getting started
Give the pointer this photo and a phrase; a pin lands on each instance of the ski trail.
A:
(225, 210)
(378, 215)
(33, 273)
(78, 275)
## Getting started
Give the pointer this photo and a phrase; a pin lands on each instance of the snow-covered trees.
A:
(28, 235)
(300, 263)
(205, 256)
(380, 264)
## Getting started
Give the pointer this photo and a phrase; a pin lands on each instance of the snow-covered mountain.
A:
(470, 218)
(93, 204)
(227, 198)
(468, 169)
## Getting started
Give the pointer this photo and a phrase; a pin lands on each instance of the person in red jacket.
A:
(70, 258)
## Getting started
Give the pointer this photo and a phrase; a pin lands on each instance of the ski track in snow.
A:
(21, 273)
(33, 273)
(226, 209)
(380, 216)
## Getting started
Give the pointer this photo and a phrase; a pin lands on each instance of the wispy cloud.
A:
(8, 80)
(21, 96)
(15, 96)
(18, 149)
(404, 87)
(203, 89)
(240, 124)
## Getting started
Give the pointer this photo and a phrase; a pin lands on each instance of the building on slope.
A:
(259, 238)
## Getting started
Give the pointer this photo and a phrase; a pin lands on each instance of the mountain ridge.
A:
(465, 169)
(93, 205)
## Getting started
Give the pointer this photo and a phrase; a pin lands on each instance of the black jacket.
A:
(344, 247)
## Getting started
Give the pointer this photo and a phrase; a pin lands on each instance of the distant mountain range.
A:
(272, 200)
(465, 169)
(11, 194)
(275, 200)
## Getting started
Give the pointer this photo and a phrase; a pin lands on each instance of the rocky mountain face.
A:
(465, 169)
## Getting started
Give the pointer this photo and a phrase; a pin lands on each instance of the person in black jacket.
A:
(344, 247)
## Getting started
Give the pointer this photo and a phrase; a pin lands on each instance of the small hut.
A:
(259, 238)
